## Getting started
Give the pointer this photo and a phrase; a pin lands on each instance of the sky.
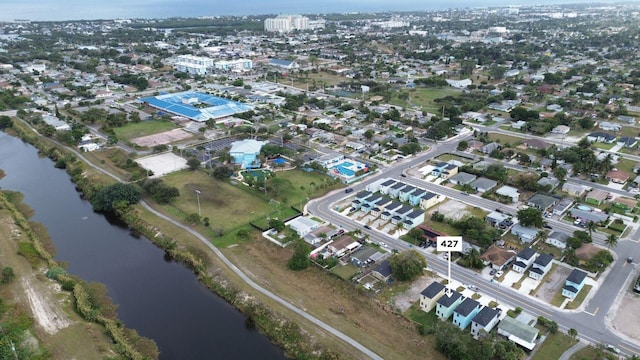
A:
(57, 10)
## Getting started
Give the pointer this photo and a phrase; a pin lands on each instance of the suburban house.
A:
(489, 148)
(446, 304)
(548, 181)
(519, 332)
(541, 266)
(303, 225)
(430, 295)
(485, 320)
(394, 190)
(586, 216)
(561, 129)
(627, 142)
(498, 257)
(499, 220)
(562, 206)
(384, 187)
(609, 126)
(574, 283)
(466, 311)
(390, 210)
(482, 184)
(598, 136)
(416, 195)
(596, 196)
(524, 259)
(343, 245)
(449, 171)
(462, 178)
(542, 202)
(381, 206)
(509, 192)
(359, 199)
(377, 185)
(624, 203)
(413, 219)
(536, 144)
(403, 194)
(573, 189)
(558, 239)
(365, 255)
(401, 213)
(439, 168)
(382, 271)
(428, 200)
(617, 176)
(526, 234)
(430, 234)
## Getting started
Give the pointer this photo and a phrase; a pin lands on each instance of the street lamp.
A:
(198, 197)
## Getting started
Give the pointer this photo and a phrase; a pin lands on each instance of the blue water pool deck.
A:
(584, 207)
(347, 168)
(279, 161)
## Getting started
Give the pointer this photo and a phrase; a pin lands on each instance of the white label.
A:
(449, 243)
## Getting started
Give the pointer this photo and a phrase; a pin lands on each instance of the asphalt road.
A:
(591, 324)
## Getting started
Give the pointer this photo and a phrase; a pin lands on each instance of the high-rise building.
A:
(286, 23)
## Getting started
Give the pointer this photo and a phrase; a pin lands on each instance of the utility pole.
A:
(198, 197)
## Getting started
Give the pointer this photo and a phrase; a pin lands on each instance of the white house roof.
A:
(247, 146)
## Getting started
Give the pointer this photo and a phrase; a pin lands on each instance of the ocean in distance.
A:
(59, 10)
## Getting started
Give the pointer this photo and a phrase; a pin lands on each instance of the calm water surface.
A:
(161, 299)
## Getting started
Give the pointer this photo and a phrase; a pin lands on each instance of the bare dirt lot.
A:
(451, 209)
(553, 283)
(627, 319)
(404, 300)
(334, 301)
(164, 138)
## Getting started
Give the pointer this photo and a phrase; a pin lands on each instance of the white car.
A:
(612, 348)
(499, 273)
(472, 287)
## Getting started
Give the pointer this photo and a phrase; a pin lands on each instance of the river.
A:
(159, 298)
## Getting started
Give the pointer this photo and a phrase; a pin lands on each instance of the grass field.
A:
(423, 98)
(134, 130)
(345, 272)
(589, 353)
(553, 346)
(505, 139)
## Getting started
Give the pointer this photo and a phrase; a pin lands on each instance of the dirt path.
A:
(45, 308)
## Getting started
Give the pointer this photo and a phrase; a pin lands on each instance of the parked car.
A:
(472, 287)
(493, 272)
(367, 227)
(499, 273)
(465, 193)
(612, 348)
(629, 259)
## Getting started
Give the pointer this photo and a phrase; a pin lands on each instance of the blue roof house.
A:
(246, 153)
(446, 304)
(574, 283)
(465, 312)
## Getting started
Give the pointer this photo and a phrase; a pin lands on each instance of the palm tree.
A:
(474, 259)
(591, 227)
(573, 333)
(612, 241)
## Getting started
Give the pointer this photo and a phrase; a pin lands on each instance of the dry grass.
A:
(335, 302)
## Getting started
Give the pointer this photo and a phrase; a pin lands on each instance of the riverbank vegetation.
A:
(287, 334)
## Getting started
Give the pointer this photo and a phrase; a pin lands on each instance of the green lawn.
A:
(588, 353)
(134, 130)
(423, 98)
(416, 314)
(227, 206)
(505, 139)
(345, 272)
(580, 298)
(553, 346)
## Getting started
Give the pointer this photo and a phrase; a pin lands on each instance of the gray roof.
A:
(428, 195)
(432, 290)
(542, 201)
(384, 268)
(399, 185)
(463, 178)
(484, 317)
(415, 213)
(466, 307)
(447, 301)
(518, 329)
(559, 235)
(484, 183)
(389, 182)
(577, 276)
(364, 253)
(543, 260)
(526, 253)
(589, 215)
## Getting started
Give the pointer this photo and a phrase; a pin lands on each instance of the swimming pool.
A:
(584, 207)
(279, 161)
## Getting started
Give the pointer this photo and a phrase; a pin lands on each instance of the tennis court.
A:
(162, 164)
(163, 138)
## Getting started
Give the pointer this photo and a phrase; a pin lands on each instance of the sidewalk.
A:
(572, 350)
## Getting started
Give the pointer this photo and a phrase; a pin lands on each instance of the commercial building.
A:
(237, 65)
(194, 65)
(286, 23)
(246, 153)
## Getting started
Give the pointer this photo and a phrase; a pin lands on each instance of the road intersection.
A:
(592, 320)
